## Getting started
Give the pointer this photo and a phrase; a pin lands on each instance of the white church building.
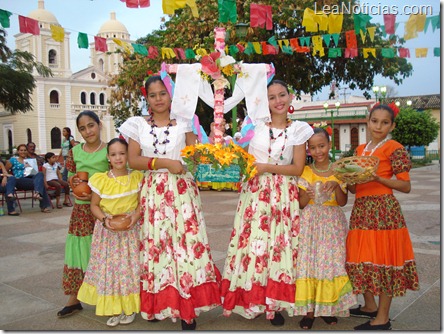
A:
(59, 99)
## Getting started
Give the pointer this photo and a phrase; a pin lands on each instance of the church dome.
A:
(41, 14)
(113, 28)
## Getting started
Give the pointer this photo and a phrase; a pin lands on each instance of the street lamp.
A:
(409, 103)
(337, 105)
(241, 29)
(382, 90)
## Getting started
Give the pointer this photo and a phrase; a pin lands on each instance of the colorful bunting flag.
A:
(126, 46)
(153, 53)
(389, 23)
(57, 33)
(169, 6)
(227, 11)
(437, 52)
(404, 53)
(100, 44)
(421, 52)
(350, 39)
(4, 18)
(261, 16)
(351, 52)
(369, 51)
(189, 54)
(317, 46)
(137, 3)
(335, 23)
(388, 52)
(334, 52)
(140, 49)
(308, 20)
(28, 25)
(82, 40)
(360, 21)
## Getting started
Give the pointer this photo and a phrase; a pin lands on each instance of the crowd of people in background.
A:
(290, 248)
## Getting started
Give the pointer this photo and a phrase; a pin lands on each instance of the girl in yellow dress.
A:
(112, 279)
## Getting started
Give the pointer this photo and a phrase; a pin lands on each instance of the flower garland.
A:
(220, 157)
(323, 125)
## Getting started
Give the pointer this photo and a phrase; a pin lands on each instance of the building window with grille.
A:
(52, 58)
(54, 97)
(56, 138)
(83, 97)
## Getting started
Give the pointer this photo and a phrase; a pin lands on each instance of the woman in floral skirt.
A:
(178, 275)
(259, 273)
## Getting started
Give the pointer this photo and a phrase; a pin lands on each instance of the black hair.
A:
(67, 130)
(48, 156)
(152, 80)
(322, 131)
(383, 107)
(116, 140)
(88, 113)
(279, 82)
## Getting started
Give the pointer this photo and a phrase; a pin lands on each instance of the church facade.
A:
(59, 99)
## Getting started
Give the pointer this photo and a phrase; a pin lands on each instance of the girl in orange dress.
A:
(380, 259)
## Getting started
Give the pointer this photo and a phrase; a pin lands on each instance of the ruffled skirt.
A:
(178, 275)
(380, 255)
(260, 269)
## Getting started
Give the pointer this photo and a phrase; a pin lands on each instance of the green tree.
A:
(305, 72)
(16, 77)
(415, 128)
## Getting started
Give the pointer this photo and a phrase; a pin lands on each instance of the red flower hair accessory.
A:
(394, 107)
(142, 89)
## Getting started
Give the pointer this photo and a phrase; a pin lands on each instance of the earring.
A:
(290, 109)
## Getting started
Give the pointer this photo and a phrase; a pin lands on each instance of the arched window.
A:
(56, 138)
(54, 97)
(354, 138)
(83, 97)
(92, 98)
(29, 135)
(101, 64)
(102, 99)
(52, 57)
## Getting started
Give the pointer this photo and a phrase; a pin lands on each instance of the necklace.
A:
(156, 140)
(375, 148)
(321, 170)
(115, 178)
(100, 145)
(273, 139)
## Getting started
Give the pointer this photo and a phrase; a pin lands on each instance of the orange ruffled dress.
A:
(380, 255)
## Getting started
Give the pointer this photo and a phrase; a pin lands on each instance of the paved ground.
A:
(32, 250)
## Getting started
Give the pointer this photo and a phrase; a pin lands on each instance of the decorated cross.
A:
(251, 84)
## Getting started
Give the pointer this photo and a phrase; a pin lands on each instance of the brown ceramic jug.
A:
(82, 187)
(120, 222)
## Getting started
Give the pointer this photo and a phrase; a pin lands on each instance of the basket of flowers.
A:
(355, 169)
(219, 163)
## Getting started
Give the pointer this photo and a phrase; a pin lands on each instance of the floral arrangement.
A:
(324, 126)
(220, 157)
(392, 106)
(216, 69)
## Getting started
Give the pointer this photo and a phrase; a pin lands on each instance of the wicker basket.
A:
(369, 163)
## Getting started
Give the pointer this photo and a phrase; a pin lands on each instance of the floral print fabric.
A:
(260, 268)
(178, 275)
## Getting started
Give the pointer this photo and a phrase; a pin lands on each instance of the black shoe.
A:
(278, 320)
(188, 327)
(153, 320)
(330, 320)
(357, 312)
(69, 310)
(367, 327)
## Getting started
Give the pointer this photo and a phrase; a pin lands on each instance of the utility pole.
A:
(344, 93)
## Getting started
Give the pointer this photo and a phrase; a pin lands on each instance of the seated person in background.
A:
(28, 182)
(53, 178)
(7, 186)
(31, 154)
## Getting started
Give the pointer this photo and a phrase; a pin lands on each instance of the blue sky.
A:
(88, 15)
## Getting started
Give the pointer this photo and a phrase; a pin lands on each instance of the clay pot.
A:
(82, 187)
(120, 222)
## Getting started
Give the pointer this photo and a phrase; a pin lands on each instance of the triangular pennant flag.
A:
(4, 18)
(100, 44)
(305, 41)
(388, 52)
(396, 26)
(371, 32)
(287, 49)
(317, 45)
(82, 40)
(389, 23)
(257, 47)
(360, 21)
(140, 49)
(383, 32)
(335, 38)
(437, 52)
(272, 41)
(233, 50)
(426, 25)
(57, 33)
(240, 47)
(227, 11)
(326, 38)
(436, 23)
(363, 34)
(249, 49)
(334, 52)
(421, 52)
(28, 25)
